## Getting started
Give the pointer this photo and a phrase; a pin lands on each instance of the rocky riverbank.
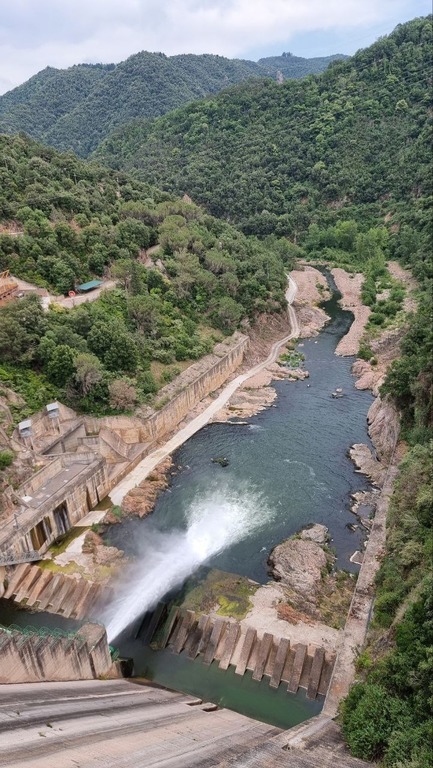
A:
(303, 566)
(257, 393)
(350, 286)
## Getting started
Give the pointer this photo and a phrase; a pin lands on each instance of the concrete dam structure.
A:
(80, 459)
(215, 639)
(121, 724)
(46, 590)
(33, 655)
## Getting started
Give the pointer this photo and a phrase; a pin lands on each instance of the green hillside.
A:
(40, 102)
(77, 220)
(335, 167)
(341, 164)
(291, 67)
(77, 108)
(270, 156)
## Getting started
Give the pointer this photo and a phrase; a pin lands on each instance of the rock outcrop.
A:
(383, 428)
(366, 463)
(140, 501)
(299, 564)
(315, 532)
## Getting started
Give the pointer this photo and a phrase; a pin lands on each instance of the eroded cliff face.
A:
(383, 427)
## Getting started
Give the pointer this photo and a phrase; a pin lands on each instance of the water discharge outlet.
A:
(215, 522)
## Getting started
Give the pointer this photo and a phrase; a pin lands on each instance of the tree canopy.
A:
(76, 108)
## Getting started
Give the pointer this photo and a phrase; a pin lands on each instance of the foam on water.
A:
(216, 521)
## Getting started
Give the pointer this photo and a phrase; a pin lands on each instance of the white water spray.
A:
(217, 521)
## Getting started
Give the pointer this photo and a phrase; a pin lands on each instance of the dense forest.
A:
(351, 142)
(335, 167)
(76, 108)
(74, 220)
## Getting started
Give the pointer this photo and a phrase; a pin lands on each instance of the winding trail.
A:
(149, 463)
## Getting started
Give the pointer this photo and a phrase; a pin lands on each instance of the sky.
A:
(59, 33)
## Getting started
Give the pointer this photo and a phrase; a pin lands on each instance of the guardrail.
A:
(48, 632)
(15, 558)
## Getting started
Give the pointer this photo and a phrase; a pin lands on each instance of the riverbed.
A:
(289, 465)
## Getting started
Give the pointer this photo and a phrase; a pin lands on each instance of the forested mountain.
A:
(337, 168)
(278, 157)
(74, 220)
(76, 108)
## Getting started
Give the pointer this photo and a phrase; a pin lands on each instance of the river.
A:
(287, 467)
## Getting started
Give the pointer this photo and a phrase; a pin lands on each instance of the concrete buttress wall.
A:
(31, 658)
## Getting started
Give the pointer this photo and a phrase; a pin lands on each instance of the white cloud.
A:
(37, 33)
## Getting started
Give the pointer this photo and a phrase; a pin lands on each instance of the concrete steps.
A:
(316, 743)
(227, 643)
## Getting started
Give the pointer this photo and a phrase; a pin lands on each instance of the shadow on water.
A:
(225, 688)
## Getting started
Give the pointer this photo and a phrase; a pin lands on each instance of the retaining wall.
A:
(35, 657)
(181, 395)
(206, 381)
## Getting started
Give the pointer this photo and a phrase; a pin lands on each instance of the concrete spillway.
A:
(216, 639)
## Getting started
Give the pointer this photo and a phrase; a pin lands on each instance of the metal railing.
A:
(15, 558)
(54, 633)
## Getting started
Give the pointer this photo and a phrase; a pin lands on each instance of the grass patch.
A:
(33, 387)
(335, 598)
(207, 332)
(159, 370)
(227, 593)
(63, 543)
(68, 570)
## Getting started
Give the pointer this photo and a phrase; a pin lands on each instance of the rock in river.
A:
(299, 564)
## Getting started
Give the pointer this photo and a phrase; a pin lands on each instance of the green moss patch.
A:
(226, 593)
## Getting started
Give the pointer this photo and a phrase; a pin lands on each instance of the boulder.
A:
(91, 542)
(315, 532)
(299, 564)
(107, 555)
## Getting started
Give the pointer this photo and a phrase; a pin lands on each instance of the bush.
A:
(370, 717)
(6, 459)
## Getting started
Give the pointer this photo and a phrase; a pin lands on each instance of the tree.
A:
(123, 395)
(6, 459)
(88, 371)
(60, 368)
(143, 310)
(227, 313)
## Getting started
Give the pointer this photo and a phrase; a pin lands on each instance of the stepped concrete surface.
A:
(118, 724)
(230, 643)
(122, 724)
(54, 592)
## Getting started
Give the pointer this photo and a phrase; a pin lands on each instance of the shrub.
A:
(6, 459)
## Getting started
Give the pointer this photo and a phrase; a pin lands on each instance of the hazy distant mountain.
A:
(77, 108)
